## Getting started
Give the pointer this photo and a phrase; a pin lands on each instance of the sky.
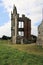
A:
(31, 8)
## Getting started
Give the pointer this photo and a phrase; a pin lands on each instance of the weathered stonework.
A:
(20, 27)
(40, 34)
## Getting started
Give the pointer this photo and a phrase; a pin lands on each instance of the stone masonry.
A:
(40, 34)
(20, 27)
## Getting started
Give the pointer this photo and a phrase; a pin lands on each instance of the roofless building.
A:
(20, 27)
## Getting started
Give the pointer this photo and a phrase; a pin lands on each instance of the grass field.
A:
(24, 54)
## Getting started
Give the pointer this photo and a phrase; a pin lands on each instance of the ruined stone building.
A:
(40, 34)
(20, 27)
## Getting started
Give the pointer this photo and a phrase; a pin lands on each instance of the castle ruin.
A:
(40, 32)
(20, 27)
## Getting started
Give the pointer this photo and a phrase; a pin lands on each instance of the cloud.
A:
(34, 30)
(5, 29)
(31, 8)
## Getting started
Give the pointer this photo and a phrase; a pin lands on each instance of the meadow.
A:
(20, 54)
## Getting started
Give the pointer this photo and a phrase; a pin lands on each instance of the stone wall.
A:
(15, 19)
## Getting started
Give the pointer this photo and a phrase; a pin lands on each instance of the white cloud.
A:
(24, 6)
(34, 30)
(31, 8)
(5, 29)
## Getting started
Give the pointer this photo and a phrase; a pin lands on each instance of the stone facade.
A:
(20, 27)
(40, 34)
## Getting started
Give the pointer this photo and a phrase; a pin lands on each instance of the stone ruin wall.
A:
(25, 30)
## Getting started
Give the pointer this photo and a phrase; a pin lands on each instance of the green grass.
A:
(20, 54)
(11, 56)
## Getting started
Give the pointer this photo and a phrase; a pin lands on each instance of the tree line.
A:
(4, 37)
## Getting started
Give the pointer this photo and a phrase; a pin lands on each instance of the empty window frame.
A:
(21, 33)
(21, 24)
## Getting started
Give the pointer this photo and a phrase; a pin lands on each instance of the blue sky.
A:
(4, 17)
(31, 8)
